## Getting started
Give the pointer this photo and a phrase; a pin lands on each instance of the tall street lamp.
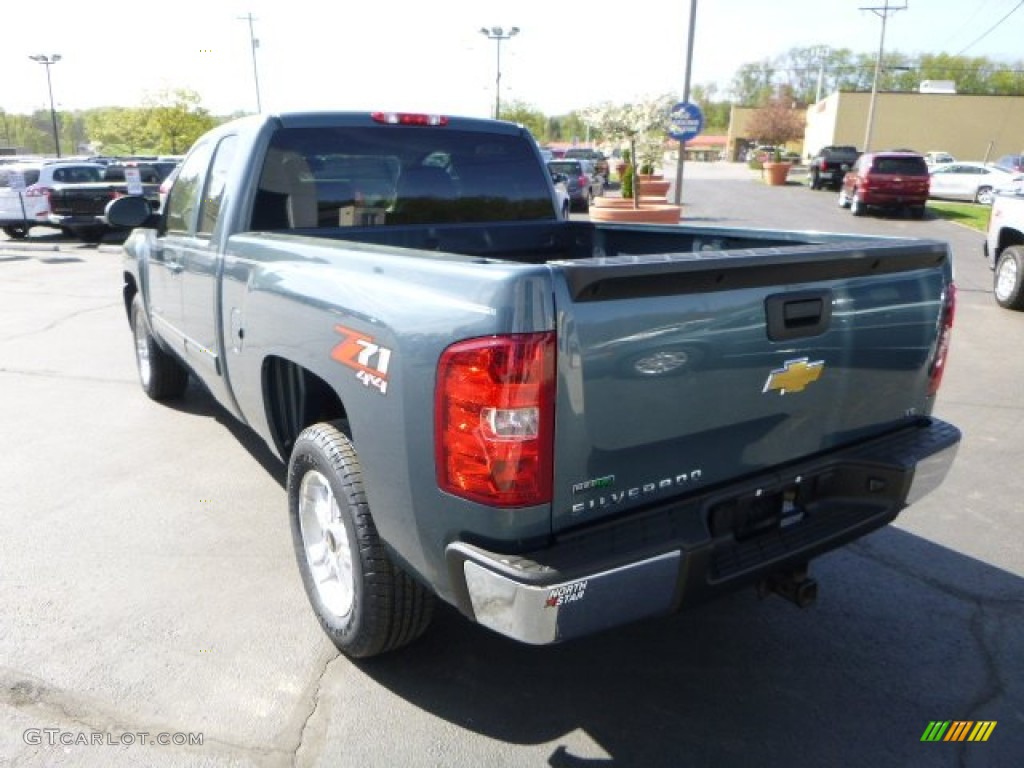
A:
(498, 34)
(47, 61)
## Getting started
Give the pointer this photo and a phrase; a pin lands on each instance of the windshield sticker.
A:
(368, 359)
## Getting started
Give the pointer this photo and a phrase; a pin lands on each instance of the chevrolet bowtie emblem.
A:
(794, 376)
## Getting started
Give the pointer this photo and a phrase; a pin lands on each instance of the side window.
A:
(184, 197)
(213, 196)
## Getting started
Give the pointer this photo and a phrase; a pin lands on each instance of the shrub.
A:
(627, 181)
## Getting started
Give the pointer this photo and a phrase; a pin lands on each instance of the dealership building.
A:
(967, 126)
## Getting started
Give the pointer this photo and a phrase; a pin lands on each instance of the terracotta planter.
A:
(775, 173)
(650, 176)
(649, 213)
(653, 188)
(624, 202)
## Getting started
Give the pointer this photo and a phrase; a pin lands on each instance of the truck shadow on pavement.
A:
(198, 401)
(905, 632)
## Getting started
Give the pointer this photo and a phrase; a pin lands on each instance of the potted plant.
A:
(775, 171)
(643, 126)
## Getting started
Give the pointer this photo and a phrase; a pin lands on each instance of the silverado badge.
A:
(794, 376)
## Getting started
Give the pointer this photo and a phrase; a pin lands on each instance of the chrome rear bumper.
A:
(594, 580)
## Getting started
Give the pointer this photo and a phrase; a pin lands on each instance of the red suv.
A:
(886, 180)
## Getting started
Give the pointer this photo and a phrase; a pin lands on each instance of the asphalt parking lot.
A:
(148, 585)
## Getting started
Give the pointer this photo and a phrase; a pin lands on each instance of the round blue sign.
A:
(686, 121)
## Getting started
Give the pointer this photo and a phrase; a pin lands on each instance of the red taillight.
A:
(583, 181)
(494, 419)
(37, 191)
(408, 118)
(938, 366)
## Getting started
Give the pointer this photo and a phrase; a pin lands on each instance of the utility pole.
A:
(883, 13)
(821, 51)
(677, 196)
(254, 44)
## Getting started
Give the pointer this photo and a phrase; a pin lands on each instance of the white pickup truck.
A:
(1004, 249)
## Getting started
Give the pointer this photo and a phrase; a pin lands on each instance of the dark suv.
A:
(887, 180)
(595, 156)
(830, 165)
(582, 181)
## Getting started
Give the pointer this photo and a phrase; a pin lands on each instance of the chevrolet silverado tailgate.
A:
(682, 371)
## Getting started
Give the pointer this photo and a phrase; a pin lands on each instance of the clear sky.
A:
(430, 56)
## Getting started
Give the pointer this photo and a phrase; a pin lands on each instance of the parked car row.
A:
(904, 179)
(70, 195)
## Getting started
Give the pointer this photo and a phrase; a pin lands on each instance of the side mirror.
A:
(129, 212)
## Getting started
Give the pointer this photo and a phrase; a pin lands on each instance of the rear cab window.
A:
(369, 176)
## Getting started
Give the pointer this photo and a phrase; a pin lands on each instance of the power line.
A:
(993, 27)
(963, 25)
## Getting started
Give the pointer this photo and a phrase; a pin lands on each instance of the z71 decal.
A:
(367, 358)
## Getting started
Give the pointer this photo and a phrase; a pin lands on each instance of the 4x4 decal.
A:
(363, 355)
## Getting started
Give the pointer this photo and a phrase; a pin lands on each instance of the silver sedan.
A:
(976, 182)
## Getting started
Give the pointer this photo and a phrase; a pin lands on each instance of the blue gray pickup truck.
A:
(555, 426)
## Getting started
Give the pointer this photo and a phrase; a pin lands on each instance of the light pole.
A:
(498, 34)
(47, 61)
(254, 44)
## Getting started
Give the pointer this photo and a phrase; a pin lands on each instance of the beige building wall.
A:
(968, 127)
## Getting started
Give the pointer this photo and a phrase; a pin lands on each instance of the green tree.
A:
(527, 116)
(801, 70)
(121, 130)
(178, 119)
(716, 111)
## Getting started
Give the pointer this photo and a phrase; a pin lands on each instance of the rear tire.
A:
(365, 603)
(162, 377)
(917, 212)
(856, 205)
(985, 196)
(1009, 278)
(91, 235)
(16, 233)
